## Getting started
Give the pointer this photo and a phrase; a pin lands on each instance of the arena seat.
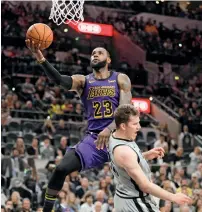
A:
(14, 127)
(11, 137)
(27, 127)
(139, 136)
(28, 138)
(56, 139)
(74, 139)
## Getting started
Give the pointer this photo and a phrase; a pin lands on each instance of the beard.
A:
(97, 66)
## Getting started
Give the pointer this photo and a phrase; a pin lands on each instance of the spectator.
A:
(17, 106)
(15, 198)
(194, 180)
(73, 202)
(5, 114)
(28, 88)
(30, 111)
(108, 207)
(105, 172)
(151, 28)
(100, 196)
(110, 184)
(9, 206)
(61, 203)
(26, 205)
(74, 178)
(67, 109)
(4, 89)
(97, 207)
(88, 203)
(184, 186)
(49, 95)
(83, 188)
(12, 167)
(48, 128)
(199, 171)
(9, 101)
(178, 156)
(62, 129)
(196, 158)
(55, 110)
(77, 115)
(103, 186)
(63, 145)
(47, 151)
(39, 209)
(41, 81)
(20, 146)
(161, 142)
(34, 148)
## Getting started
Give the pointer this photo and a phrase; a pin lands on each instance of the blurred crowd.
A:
(40, 120)
(159, 7)
(160, 42)
(184, 98)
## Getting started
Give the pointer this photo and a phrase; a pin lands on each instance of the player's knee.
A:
(60, 170)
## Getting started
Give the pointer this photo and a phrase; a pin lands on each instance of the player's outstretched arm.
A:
(75, 82)
(126, 158)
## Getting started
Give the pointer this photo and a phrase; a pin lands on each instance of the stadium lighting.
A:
(157, 2)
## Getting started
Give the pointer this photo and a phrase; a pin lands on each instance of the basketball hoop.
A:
(63, 11)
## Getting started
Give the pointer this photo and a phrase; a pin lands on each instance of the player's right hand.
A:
(32, 46)
(181, 199)
(35, 49)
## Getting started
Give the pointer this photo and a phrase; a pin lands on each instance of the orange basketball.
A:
(40, 34)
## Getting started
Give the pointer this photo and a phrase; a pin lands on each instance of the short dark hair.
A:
(87, 195)
(123, 112)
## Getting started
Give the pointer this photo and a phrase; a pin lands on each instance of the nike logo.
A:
(91, 81)
(110, 81)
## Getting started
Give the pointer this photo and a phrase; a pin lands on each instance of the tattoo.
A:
(125, 94)
(125, 89)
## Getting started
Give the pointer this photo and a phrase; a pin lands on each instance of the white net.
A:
(67, 11)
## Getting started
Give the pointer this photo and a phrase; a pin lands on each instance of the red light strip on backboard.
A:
(93, 28)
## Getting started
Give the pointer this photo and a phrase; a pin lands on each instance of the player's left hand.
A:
(157, 152)
(102, 139)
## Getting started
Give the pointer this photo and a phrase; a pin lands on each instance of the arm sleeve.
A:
(54, 75)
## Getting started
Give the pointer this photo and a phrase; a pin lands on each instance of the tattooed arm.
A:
(125, 98)
(125, 94)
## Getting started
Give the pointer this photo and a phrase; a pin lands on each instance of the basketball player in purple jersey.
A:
(101, 93)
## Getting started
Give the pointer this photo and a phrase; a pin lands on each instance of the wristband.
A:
(41, 61)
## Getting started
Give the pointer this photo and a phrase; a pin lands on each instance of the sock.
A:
(49, 202)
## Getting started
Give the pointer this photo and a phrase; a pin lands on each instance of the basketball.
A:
(41, 34)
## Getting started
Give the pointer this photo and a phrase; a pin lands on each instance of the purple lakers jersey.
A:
(100, 98)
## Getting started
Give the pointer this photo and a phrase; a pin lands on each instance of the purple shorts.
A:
(90, 156)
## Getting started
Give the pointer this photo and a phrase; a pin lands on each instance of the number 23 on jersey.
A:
(107, 112)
